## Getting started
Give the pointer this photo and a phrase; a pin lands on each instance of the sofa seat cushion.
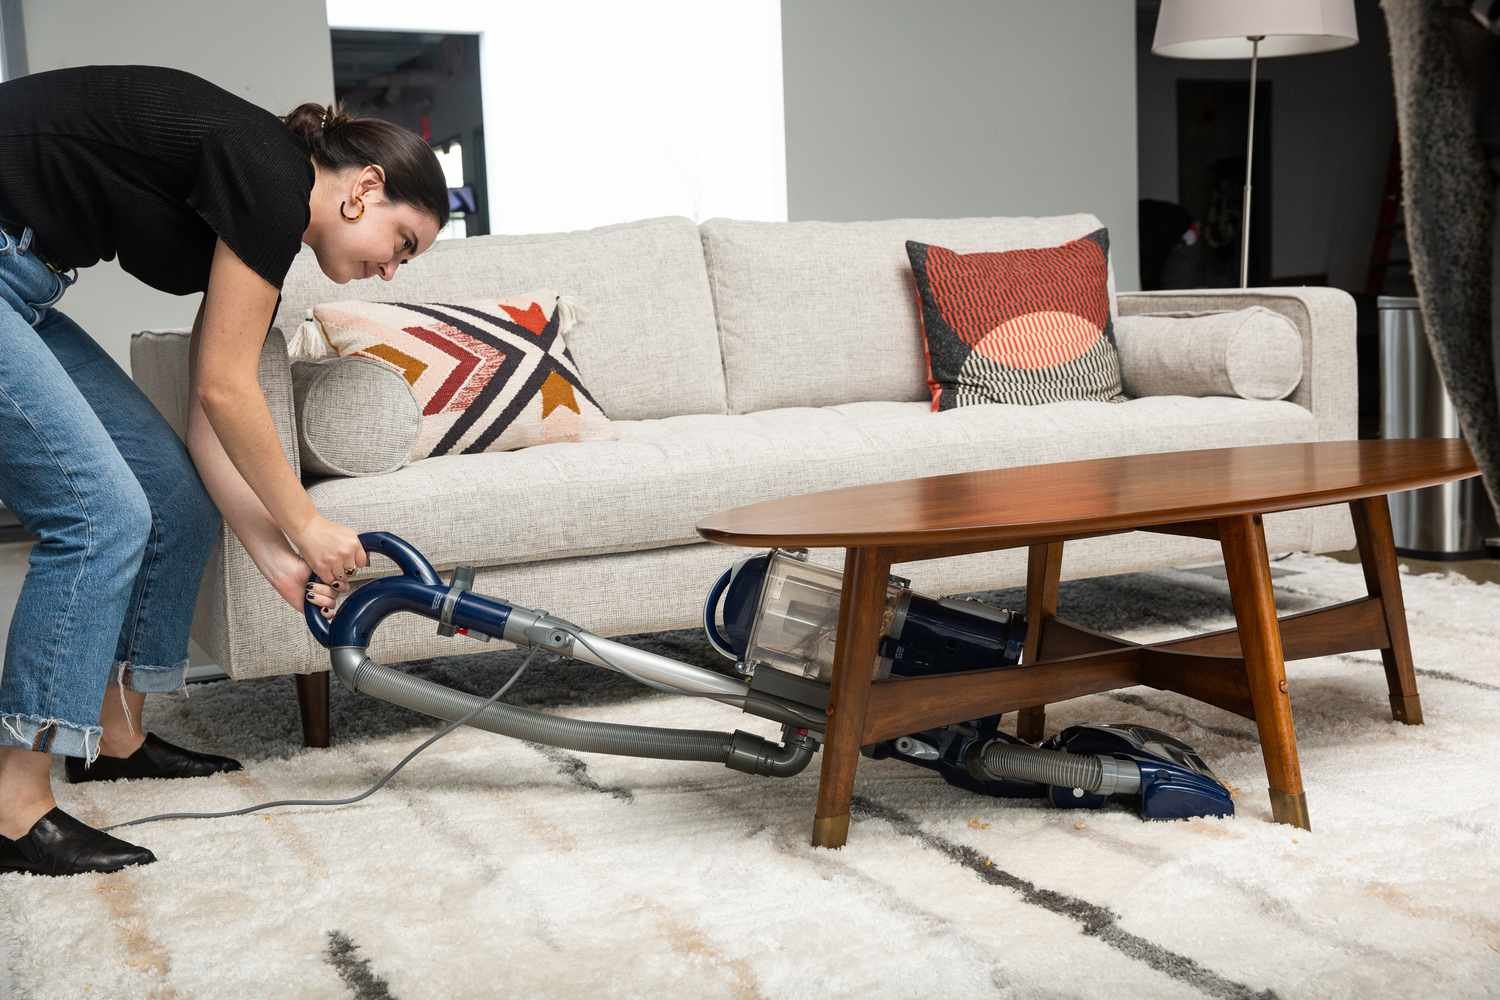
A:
(649, 487)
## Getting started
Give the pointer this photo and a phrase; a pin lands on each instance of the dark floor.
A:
(1479, 570)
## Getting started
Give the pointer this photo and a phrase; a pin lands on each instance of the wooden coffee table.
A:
(1220, 493)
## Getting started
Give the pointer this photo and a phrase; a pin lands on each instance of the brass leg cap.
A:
(830, 831)
(1407, 710)
(1290, 807)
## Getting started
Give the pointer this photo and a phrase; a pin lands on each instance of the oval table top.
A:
(1094, 495)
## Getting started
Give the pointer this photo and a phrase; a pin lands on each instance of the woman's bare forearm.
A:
(229, 339)
(242, 508)
(246, 516)
(241, 421)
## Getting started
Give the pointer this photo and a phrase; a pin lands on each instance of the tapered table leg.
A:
(1248, 568)
(1377, 554)
(866, 573)
(1043, 568)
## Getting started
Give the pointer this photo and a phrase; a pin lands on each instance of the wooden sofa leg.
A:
(312, 702)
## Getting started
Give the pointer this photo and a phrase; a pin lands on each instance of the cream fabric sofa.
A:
(740, 361)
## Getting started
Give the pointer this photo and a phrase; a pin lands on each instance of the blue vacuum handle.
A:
(412, 562)
(716, 638)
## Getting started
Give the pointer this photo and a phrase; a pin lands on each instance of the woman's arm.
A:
(242, 510)
(227, 341)
(246, 515)
(237, 311)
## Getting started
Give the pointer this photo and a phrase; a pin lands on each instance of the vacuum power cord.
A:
(349, 801)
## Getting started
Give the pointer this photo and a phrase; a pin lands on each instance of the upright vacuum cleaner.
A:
(778, 626)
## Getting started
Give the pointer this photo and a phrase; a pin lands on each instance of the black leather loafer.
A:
(59, 844)
(154, 758)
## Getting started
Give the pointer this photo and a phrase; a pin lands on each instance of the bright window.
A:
(598, 112)
(452, 160)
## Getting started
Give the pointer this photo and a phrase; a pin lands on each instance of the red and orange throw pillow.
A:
(489, 374)
(1018, 326)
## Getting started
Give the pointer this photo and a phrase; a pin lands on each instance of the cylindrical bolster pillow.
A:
(355, 416)
(1253, 353)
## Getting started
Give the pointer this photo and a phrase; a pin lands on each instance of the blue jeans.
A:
(124, 526)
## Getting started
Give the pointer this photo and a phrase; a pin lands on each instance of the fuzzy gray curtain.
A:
(1442, 62)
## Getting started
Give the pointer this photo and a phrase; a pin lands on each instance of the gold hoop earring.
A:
(352, 218)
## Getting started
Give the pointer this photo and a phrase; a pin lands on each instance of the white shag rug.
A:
(491, 867)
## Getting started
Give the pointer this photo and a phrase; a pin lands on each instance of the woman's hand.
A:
(288, 573)
(332, 550)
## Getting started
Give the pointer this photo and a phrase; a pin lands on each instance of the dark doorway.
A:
(429, 83)
(1211, 121)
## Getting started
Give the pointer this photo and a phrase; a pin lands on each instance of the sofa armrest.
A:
(159, 365)
(1325, 319)
(239, 619)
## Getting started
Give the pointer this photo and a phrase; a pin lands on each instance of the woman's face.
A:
(384, 236)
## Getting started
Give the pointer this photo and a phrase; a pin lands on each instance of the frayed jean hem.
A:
(32, 732)
(147, 679)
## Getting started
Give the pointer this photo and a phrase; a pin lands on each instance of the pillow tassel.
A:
(309, 342)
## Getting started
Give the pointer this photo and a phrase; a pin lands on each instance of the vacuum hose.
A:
(360, 673)
(1093, 773)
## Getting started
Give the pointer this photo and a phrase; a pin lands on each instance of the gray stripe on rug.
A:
(1096, 920)
(1363, 658)
(577, 769)
(1443, 675)
(342, 954)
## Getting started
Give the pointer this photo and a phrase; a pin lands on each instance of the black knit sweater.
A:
(151, 165)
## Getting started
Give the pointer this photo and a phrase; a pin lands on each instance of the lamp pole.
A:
(1255, 41)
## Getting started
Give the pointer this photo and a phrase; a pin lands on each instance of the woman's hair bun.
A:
(308, 121)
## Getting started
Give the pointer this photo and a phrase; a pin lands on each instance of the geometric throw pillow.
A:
(1018, 326)
(488, 374)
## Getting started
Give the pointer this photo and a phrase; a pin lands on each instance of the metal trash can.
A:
(1450, 521)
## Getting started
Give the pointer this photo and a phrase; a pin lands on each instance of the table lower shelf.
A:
(1076, 661)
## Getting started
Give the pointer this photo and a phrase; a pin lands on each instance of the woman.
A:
(194, 190)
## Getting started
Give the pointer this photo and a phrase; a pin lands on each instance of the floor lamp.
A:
(1254, 30)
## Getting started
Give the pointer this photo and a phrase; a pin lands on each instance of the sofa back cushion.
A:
(823, 313)
(645, 342)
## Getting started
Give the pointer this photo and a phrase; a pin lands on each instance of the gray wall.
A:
(12, 40)
(963, 108)
(1333, 117)
(274, 53)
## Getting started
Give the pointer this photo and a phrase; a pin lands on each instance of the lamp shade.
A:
(1222, 29)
